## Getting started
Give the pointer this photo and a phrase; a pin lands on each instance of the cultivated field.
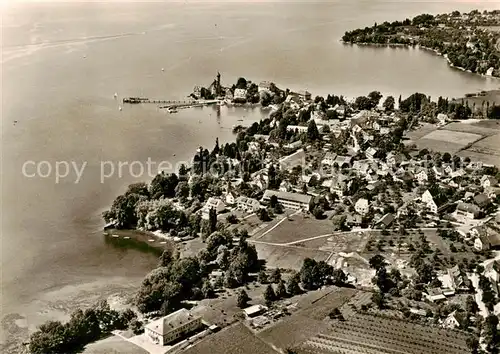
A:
(370, 334)
(477, 139)
(308, 320)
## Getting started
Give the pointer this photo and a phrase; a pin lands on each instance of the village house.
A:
(362, 206)
(285, 186)
(296, 128)
(240, 95)
(289, 200)
(421, 175)
(215, 203)
(171, 327)
(247, 204)
(485, 237)
(435, 295)
(254, 310)
(370, 153)
(482, 200)
(492, 272)
(451, 321)
(429, 202)
(385, 221)
(230, 197)
(488, 181)
(458, 280)
(305, 95)
(466, 211)
(293, 146)
(264, 86)
(329, 159)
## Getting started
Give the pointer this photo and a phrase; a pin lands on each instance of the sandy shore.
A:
(57, 304)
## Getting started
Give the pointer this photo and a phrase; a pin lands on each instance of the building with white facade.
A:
(171, 327)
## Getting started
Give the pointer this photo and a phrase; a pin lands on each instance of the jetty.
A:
(169, 103)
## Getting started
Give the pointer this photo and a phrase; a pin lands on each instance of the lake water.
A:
(62, 63)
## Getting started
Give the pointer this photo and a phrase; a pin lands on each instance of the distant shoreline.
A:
(419, 46)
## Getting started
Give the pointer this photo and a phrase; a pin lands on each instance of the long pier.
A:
(169, 103)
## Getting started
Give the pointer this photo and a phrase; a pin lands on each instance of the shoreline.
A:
(418, 46)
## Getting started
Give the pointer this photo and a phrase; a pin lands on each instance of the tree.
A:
(207, 289)
(243, 299)
(339, 277)
(389, 104)
(378, 299)
(318, 212)
(241, 83)
(374, 97)
(292, 285)
(212, 220)
(262, 277)
(312, 131)
(275, 276)
(281, 290)
(165, 258)
(377, 262)
(269, 295)
(263, 215)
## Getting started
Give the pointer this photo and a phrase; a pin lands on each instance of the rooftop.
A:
(292, 197)
(168, 323)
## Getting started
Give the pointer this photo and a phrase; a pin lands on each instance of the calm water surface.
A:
(62, 64)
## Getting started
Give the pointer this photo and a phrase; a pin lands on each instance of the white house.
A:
(240, 95)
(466, 211)
(488, 181)
(428, 200)
(329, 159)
(254, 310)
(247, 204)
(451, 321)
(370, 153)
(442, 118)
(173, 326)
(362, 206)
(215, 203)
(230, 197)
(421, 175)
(285, 186)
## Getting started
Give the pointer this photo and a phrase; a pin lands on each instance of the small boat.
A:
(119, 108)
(115, 95)
(240, 120)
(173, 154)
(162, 69)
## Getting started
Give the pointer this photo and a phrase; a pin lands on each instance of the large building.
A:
(169, 328)
(289, 200)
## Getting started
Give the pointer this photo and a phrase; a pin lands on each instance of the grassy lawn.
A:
(288, 257)
(297, 227)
